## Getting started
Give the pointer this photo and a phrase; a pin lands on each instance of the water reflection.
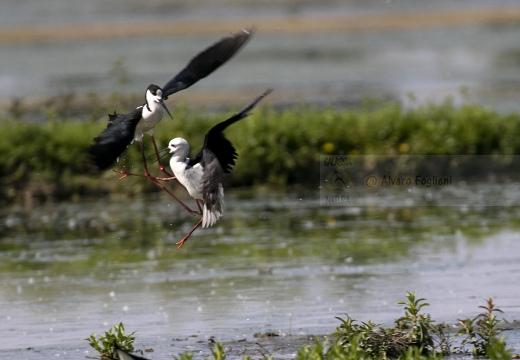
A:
(276, 262)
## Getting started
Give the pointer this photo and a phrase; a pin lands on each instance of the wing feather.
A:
(207, 61)
(114, 140)
(212, 190)
(218, 144)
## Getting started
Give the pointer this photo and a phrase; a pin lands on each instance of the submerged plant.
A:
(106, 344)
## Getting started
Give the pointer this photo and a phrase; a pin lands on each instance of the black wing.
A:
(212, 181)
(114, 140)
(207, 61)
(216, 142)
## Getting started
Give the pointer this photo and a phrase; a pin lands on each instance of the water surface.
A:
(275, 263)
(336, 68)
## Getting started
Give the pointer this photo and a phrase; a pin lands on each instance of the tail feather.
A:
(213, 207)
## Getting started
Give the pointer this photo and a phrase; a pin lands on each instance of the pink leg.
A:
(184, 239)
(127, 173)
(161, 167)
(199, 204)
(146, 173)
(155, 180)
(160, 186)
(180, 243)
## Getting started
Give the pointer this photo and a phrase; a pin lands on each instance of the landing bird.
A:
(202, 175)
(123, 129)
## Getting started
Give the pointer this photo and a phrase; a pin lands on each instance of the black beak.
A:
(165, 108)
(162, 153)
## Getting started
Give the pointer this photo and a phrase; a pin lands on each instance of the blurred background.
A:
(278, 261)
(328, 52)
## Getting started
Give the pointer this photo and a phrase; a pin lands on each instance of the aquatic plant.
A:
(415, 336)
(419, 326)
(482, 331)
(105, 345)
(184, 356)
(417, 333)
(413, 330)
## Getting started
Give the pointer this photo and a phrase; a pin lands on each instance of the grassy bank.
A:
(48, 159)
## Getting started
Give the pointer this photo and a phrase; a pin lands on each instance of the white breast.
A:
(149, 119)
(190, 178)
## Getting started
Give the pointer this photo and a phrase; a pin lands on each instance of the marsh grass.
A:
(415, 335)
(276, 147)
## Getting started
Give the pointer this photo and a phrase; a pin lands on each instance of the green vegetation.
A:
(414, 336)
(481, 332)
(417, 333)
(413, 330)
(106, 344)
(48, 158)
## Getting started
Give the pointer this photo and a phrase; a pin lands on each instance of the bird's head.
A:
(154, 94)
(179, 147)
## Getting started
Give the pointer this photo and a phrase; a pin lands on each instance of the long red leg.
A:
(199, 203)
(146, 173)
(160, 186)
(161, 167)
(127, 173)
(180, 243)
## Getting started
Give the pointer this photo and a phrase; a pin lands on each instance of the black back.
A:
(114, 140)
(207, 61)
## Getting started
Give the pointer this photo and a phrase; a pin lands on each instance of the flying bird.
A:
(202, 175)
(123, 129)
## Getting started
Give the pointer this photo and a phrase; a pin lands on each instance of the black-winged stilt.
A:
(202, 175)
(123, 129)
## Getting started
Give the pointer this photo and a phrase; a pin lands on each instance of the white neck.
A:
(153, 109)
(176, 159)
(150, 118)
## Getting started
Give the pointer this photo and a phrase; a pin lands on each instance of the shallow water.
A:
(275, 263)
(336, 68)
